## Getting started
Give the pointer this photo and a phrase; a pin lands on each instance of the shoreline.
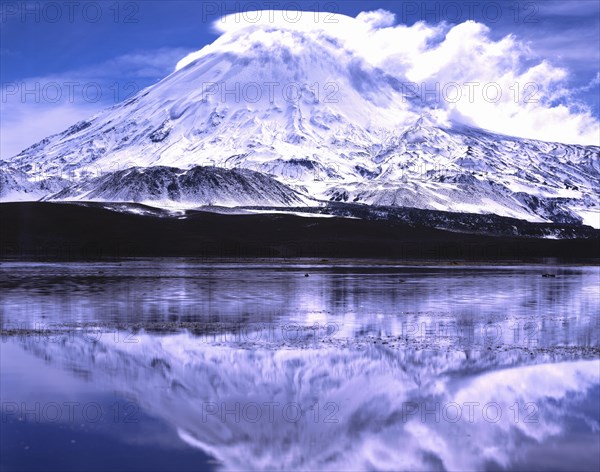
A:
(70, 232)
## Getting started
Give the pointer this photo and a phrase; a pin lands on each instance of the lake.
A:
(178, 364)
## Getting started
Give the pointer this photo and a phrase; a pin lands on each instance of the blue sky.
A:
(125, 46)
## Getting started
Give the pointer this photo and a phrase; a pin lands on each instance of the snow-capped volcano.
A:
(273, 100)
(301, 107)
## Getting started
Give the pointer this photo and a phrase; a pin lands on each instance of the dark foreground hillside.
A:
(72, 231)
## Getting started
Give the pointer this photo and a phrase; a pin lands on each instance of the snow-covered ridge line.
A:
(198, 186)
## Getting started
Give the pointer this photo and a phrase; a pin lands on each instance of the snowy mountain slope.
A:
(332, 127)
(16, 185)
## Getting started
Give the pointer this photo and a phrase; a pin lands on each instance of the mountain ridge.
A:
(351, 133)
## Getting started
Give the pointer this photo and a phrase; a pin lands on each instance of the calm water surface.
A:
(183, 365)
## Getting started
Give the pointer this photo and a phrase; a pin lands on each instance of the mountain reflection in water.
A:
(353, 369)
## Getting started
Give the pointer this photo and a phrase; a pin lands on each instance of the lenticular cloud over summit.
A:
(458, 70)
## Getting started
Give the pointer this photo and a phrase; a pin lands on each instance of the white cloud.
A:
(500, 85)
(378, 18)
